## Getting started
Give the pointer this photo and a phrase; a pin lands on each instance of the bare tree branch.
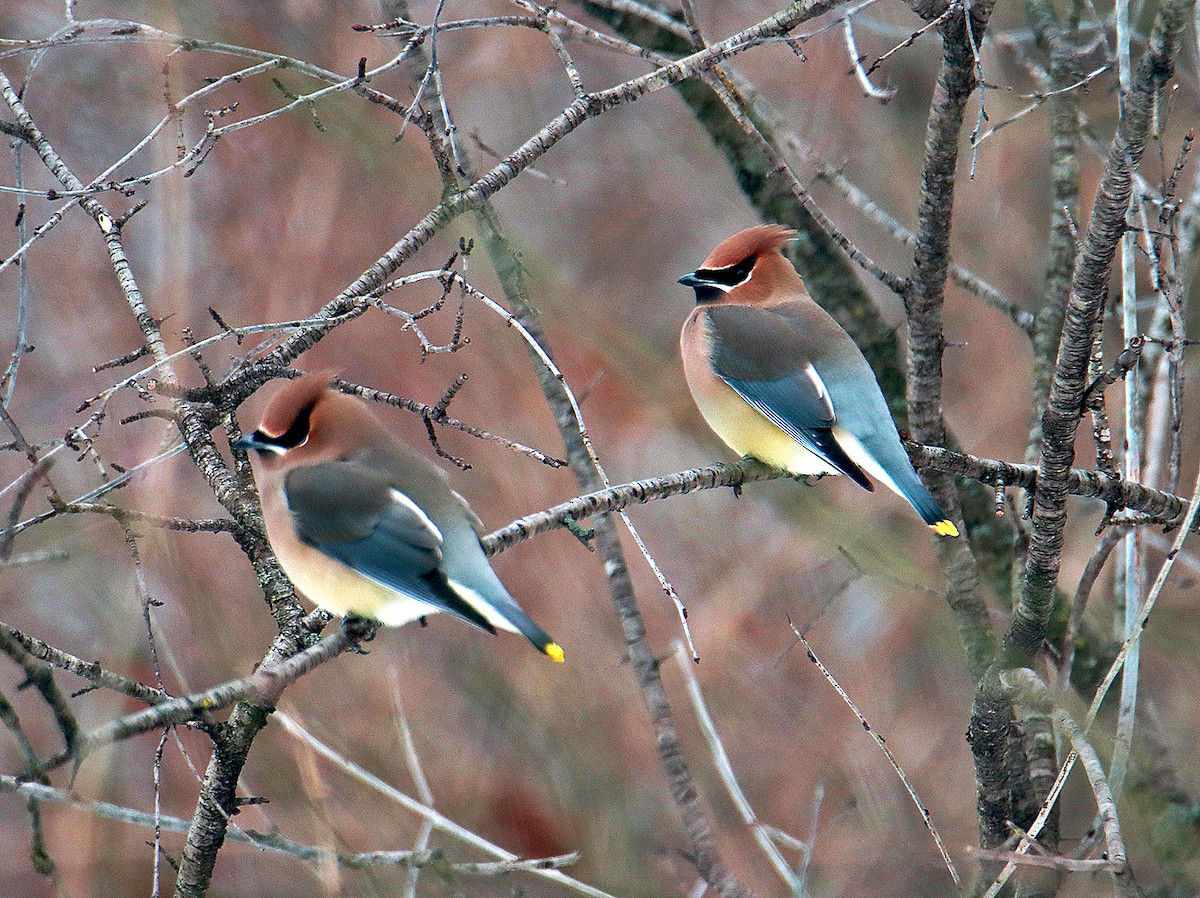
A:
(1088, 292)
(1163, 508)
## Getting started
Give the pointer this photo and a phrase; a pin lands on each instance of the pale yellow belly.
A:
(331, 585)
(749, 432)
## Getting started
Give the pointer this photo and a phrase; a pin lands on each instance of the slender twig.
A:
(158, 849)
(440, 821)
(39, 853)
(1091, 571)
(552, 369)
(26, 483)
(568, 64)
(882, 94)
(725, 91)
(1029, 689)
(1041, 97)
(278, 844)
(961, 276)
(725, 768)
(950, 10)
(35, 557)
(264, 685)
(424, 792)
(887, 752)
(1131, 556)
(8, 383)
(1054, 862)
(431, 414)
(88, 670)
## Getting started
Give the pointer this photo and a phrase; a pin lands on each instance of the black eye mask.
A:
(293, 436)
(729, 276)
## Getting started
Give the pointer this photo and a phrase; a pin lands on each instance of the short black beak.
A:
(690, 280)
(247, 441)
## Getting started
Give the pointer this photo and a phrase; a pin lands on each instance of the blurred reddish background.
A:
(541, 758)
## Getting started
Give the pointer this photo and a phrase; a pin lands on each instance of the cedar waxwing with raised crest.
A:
(364, 525)
(778, 379)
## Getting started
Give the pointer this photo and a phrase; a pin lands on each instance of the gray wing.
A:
(356, 516)
(764, 356)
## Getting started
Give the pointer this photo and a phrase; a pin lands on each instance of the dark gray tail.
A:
(925, 505)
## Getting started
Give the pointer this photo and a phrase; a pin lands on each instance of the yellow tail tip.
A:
(554, 652)
(944, 528)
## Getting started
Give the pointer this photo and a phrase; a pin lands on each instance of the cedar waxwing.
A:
(778, 379)
(363, 525)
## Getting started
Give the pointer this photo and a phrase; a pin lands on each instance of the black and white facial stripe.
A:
(711, 283)
(292, 438)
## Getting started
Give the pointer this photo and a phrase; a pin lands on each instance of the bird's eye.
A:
(293, 437)
(730, 275)
(297, 434)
